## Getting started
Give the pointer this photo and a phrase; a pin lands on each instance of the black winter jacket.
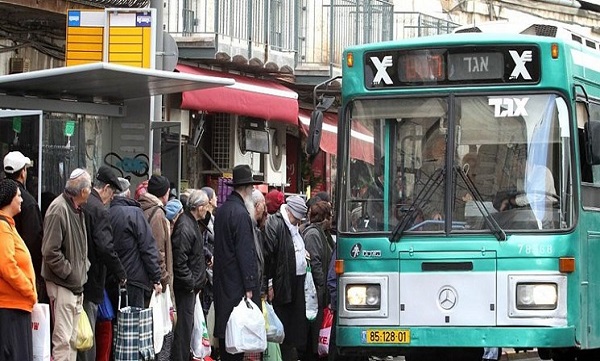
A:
(30, 225)
(280, 258)
(101, 251)
(189, 265)
(134, 242)
(317, 245)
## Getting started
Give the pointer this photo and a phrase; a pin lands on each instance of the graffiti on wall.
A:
(138, 166)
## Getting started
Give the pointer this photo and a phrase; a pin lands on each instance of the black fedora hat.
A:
(242, 175)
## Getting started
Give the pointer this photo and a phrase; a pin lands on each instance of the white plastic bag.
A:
(200, 345)
(275, 332)
(161, 318)
(246, 330)
(310, 296)
(40, 331)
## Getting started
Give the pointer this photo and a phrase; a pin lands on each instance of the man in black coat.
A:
(235, 266)
(136, 248)
(28, 222)
(101, 252)
(189, 269)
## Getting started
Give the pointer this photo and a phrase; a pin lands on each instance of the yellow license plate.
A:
(387, 336)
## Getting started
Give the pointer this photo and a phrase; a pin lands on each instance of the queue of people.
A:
(94, 237)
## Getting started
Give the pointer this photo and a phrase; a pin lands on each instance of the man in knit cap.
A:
(285, 263)
(153, 203)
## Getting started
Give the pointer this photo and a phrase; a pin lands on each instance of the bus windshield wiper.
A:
(487, 216)
(432, 184)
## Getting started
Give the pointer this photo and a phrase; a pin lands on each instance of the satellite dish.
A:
(276, 151)
(170, 54)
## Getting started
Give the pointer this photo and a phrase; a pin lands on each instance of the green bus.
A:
(473, 218)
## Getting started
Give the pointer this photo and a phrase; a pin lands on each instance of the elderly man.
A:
(101, 252)
(65, 266)
(285, 263)
(135, 247)
(235, 266)
(189, 269)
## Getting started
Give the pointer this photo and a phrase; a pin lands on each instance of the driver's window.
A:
(590, 174)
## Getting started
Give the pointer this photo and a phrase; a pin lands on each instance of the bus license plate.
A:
(387, 336)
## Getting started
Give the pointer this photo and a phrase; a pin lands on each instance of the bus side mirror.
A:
(313, 141)
(592, 131)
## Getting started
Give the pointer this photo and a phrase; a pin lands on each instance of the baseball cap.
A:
(15, 161)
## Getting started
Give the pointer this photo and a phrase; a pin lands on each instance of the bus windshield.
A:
(509, 161)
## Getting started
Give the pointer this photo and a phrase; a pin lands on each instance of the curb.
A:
(512, 355)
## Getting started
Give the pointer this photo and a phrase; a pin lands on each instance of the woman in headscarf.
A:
(17, 279)
(319, 246)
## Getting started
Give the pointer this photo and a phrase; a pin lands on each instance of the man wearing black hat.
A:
(101, 252)
(235, 267)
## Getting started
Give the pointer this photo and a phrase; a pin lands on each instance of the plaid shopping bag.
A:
(133, 335)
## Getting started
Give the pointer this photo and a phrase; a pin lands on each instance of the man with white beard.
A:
(235, 267)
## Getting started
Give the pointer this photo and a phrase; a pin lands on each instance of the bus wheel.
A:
(563, 354)
(588, 355)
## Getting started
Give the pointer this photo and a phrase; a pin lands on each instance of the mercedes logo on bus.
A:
(447, 298)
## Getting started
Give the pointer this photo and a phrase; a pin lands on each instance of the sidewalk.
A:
(511, 354)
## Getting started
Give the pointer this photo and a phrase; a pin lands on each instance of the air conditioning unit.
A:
(275, 161)
(238, 152)
(18, 65)
(183, 116)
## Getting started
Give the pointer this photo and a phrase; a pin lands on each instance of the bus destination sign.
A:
(453, 66)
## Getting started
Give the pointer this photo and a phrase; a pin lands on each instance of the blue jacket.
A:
(134, 243)
(101, 252)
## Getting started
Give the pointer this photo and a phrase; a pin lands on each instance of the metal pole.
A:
(156, 101)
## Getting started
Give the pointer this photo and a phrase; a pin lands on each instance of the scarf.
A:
(299, 250)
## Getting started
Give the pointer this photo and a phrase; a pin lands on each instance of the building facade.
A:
(276, 50)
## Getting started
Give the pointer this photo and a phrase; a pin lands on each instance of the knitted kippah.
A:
(8, 191)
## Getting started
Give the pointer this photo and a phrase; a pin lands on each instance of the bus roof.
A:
(501, 32)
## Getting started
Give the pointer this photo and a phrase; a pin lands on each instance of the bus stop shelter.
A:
(101, 89)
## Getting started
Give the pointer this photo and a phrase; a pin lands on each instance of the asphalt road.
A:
(507, 355)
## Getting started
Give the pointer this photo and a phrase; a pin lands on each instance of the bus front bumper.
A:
(516, 337)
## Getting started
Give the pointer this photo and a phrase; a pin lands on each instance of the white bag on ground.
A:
(310, 296)
(161, 319)
(210, 324)
(275, 332)
(40, 330)
(246, 330)
(200, 345)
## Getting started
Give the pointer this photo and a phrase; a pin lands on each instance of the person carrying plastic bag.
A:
(246, 331)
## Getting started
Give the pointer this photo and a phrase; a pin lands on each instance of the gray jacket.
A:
(64, 246)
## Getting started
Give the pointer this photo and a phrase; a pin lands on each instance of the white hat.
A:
(15, 161)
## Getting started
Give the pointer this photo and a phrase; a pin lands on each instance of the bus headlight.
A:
(537, 296)
(363, 297)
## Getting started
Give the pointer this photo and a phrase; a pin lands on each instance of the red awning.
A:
(361, 144)
(248, 96)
